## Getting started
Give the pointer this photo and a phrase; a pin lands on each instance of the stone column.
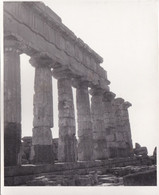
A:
(41, 151)
(85, 133)
(12, 103)
(126, 127)
(109, 122)
(121, 144)
(67, 144)
(99, 136)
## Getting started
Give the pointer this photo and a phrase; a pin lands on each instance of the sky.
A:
(124, 33)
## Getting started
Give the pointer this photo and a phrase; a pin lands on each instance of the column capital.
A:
(12, 45)
(126, 105)
(41, 60)
(96, 91)
(62, 73)
(108, 96)
(79, 83)
(118, 101)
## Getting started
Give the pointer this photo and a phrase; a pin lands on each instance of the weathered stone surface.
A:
(67, 146)
(137, 145)
(105, 173)
(146, 178)
(126, 124)
(122, 128)
(12, 103)
(12, 143)
(85, 134)
(43, 103)
(99, 135)
(42, 136)
(43, 111)
(12, 84)
(26, 149)
(52, 45)
(42, 154)
(141, 151)
(42, 31)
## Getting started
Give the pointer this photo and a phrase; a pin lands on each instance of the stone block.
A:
(42, 136)
(67, 149)
(110, 138)
(84, 117)
(99, 135)
(84, 124)
(85, 148)
(78, 54)
(77, 68)
(112, 152)
(112, 144)
(93, 64)
(63, 131)
(146, 178)
(66, 122)
(21, 180)
(51, 35)
(85, 132)
(67, 112)
(70, 50)
(12, 143)
(137, 146)
(42, 154)
(141, 151)
(62, 43)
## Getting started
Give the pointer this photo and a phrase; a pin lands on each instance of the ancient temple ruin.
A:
(57, 53)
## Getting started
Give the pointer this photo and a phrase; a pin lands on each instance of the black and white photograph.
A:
(79, 97)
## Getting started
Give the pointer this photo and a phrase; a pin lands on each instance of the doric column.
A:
(67, 144)
(126, 127)
(109, 122)
(99, 135)
(12, 103)
(85, 133)
(41, 151)
(121, 144)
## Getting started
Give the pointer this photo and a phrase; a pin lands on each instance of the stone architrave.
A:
(12, 103)
(126, 127)
(99, 135)
(109, 122)
(67, 143)
(42, 151)
(85, 133)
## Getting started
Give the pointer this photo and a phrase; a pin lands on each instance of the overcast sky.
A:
(124, 33)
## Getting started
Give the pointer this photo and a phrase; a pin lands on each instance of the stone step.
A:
(108, 180)
(75, 180)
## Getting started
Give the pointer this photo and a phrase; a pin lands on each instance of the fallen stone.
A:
(137, 145)
(141, 151)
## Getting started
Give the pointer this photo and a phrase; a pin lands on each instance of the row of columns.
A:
(103, 126)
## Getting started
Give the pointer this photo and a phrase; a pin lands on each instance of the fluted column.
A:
(85, 133)
(109, 122)
(126, 127)
(12, 103)
(99, 136)
(41, 151)
(121, 144)
(67, 144)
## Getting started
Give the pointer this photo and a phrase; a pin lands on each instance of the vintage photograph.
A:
(80, 95)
